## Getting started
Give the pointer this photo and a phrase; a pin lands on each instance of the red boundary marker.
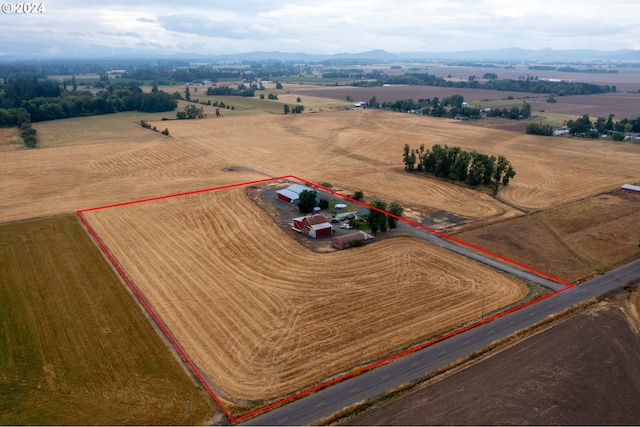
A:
(317, 387)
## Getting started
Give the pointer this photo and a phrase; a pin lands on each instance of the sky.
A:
(69, 28)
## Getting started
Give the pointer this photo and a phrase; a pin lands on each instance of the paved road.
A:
(412, 367)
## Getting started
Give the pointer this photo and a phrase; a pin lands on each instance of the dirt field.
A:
(571, 242)
(581, 372)
(263, 316)
(75, 348)
(623, 103)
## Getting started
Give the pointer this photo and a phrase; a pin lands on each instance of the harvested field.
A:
(572, 241)
(581, 372)
(10, 139)
(353, 150)
(75, 347)
(262, 316)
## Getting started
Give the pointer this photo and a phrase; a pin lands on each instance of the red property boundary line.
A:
(317, 387)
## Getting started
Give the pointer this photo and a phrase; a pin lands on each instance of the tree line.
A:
(46, 100)
(451, 106)
(510, 85)
(453, 163)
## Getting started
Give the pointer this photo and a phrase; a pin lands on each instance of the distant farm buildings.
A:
(358, 238)
(313, 225)
(291, 194)
(631, 188)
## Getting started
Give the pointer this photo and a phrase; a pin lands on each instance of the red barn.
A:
(314, 225)
(291, 194)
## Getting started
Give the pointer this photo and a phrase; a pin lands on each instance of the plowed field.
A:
(261, 315)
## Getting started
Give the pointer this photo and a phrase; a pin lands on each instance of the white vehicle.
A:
(346, 226)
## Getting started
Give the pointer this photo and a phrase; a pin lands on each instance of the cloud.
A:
(328, 26)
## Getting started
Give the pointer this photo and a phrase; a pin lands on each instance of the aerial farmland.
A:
(182, 228)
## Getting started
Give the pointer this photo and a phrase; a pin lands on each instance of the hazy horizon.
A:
(70, 28)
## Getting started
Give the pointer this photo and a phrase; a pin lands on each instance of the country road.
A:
(377, 382)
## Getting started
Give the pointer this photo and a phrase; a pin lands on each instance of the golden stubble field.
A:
(262, 316)
(101, 160)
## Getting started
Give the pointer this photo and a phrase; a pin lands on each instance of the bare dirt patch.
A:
(262, 316)
(581, 372)
(529, 241)
(573, 241)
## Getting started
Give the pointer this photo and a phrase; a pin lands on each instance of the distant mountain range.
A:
(507, 55)
(495, 55)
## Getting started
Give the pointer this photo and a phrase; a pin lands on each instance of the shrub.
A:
(357, 242)
(323, 203)
(540, 129)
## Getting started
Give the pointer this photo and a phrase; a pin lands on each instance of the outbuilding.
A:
(291, 194)
(346, 241)
(313, 225)
(631, 188)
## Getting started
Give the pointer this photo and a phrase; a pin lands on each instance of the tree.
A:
(286, 109)
(514, 113)
(349, 98)
(323, 203)
(358, 195)
(456, 100)
(395, 209)
(298, 99)
(509, 173)
(377, 220)
(525, 111)
(218, 112)
(617, 136)
(187, 95)
(579, 126)
(278, 85)
(500, 168)
(194, 112)
(307, 200)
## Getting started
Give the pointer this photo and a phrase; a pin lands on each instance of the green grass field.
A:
(75, 347)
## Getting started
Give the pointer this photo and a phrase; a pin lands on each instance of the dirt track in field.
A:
(262, 316)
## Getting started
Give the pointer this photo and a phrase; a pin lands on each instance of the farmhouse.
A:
(631, 188)
(291, 194)
(313, 225)
(345, 241)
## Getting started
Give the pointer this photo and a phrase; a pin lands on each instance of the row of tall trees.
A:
(453, 163)
(380, 221)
